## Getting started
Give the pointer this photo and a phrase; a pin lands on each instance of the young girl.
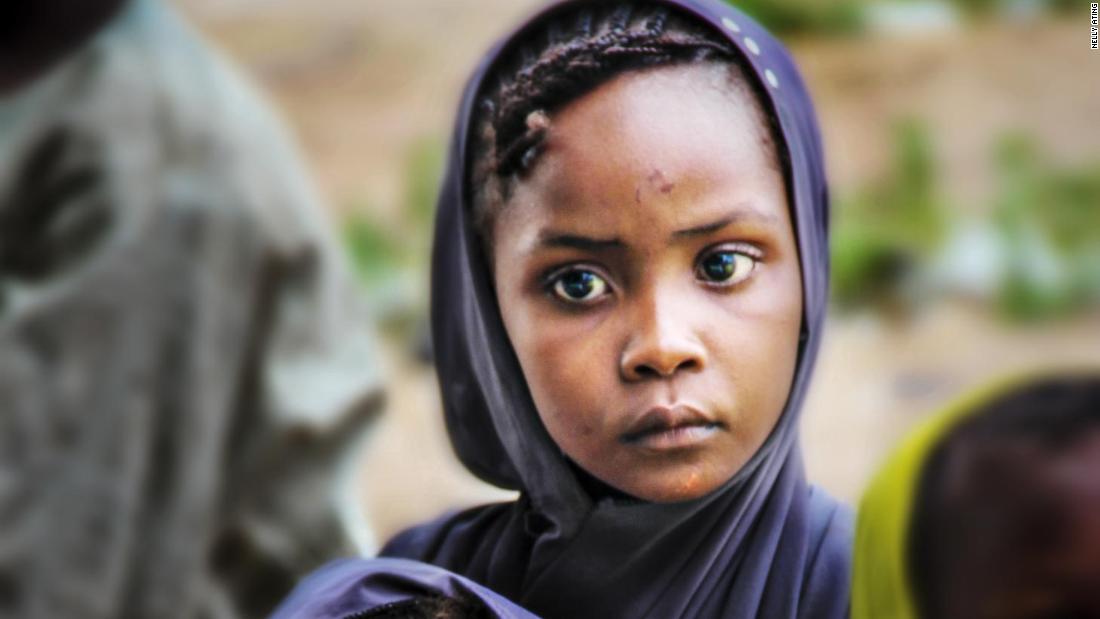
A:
(629, 282)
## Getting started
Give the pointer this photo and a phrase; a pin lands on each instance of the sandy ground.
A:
(874, 380)
(362, 81)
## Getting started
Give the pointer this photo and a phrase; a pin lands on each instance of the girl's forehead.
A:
(674, 104)
(652, 135)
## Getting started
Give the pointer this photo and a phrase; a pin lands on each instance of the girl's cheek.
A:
(773, 296)
(568, 405)
(570, 369)
(562, 331)
(568, 355)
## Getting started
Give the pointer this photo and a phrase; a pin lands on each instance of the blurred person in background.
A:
(989, 510)
(184, 362)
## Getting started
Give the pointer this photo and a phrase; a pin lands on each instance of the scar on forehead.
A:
(658, 180)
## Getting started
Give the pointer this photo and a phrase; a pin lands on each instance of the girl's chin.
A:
(672, 483)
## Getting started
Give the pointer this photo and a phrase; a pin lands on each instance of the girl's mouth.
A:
(669, 428)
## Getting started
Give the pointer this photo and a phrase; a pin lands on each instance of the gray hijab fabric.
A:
(765, 544)
(184, 355)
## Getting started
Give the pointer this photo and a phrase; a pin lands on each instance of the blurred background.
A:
(963, 151)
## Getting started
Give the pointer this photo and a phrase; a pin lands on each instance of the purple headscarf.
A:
(765, 544)
(353, 587)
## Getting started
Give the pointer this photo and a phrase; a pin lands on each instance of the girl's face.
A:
(649, 281)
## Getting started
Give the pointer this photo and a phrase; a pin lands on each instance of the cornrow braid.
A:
(568, 57)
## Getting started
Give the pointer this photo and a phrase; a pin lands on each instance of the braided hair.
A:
(569, 56)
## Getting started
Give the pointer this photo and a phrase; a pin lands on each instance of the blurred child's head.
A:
(630, 191)
(1006, 519)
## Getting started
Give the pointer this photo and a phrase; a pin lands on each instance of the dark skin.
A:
(1029, 516)
(37, 34)
(648, 277)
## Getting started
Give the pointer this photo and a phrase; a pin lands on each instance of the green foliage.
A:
(844, 17)
(884, 232)
(382, 252)
(866, 269)
(1049, 219)
(423, 172)
(391, 256)
(1068, 7)
(987, 8)
(1071, 209)
(376, 252)
(1046, 220)
(789, 17)
(978, 8)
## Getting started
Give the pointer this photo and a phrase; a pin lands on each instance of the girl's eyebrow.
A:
(550, 238)
(742, 213)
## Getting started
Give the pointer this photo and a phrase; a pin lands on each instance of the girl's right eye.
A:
(579, 286)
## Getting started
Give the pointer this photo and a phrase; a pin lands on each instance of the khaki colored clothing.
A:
(183, 358)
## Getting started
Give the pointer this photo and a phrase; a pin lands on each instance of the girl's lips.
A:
(665, 428)
(679, 437)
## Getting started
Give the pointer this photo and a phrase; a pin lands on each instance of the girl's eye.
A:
(726, 267)
(579, 286)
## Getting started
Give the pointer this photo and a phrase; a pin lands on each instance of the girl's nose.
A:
(661, 344)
